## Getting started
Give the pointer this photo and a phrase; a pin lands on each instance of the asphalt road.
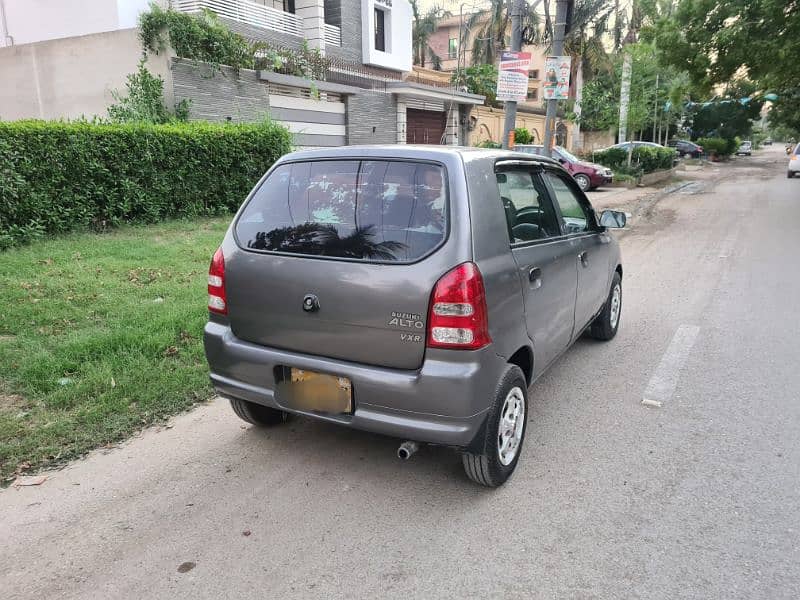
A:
(697, 498)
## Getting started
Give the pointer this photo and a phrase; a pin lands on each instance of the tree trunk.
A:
(624, 101)
(577, 145)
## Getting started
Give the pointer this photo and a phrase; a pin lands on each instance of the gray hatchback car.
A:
(411, 291)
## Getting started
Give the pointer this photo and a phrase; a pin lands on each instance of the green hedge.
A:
(56, 177)
(719, 146)
(646, 159)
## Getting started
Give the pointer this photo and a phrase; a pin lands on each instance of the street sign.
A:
(556, 79)
(512, 77)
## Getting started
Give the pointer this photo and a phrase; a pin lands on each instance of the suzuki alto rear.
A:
(410, 291)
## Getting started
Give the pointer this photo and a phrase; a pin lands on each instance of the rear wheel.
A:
(583, 182)
(606, 324)
(494, 459)
(258, 414)
(789, 174)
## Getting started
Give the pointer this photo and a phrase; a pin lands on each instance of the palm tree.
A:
(490, 28)
(422, 28)
(493, 25)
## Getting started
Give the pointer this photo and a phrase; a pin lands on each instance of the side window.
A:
(575, 214)
(529, 214)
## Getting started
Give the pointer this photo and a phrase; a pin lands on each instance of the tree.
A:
(718, 41)
(479, 79)
(729, 116)
(599, 104)
(145, 100)
(422, 27)
(491, 27)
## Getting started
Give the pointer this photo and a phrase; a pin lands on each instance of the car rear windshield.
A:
(372, 210)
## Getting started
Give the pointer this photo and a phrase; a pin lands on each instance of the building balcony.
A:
(258, 15)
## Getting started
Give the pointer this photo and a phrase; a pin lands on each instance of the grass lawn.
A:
(100, 335)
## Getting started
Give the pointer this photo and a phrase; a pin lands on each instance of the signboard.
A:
(512, 77)
(556, 77)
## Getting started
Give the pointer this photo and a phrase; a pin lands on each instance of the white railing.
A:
(248, 12)
(333, 35)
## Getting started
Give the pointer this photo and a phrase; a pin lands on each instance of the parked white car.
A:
(794, 162)
(745, 148)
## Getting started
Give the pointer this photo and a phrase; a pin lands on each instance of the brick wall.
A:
(371, 119)
(218, 96)
(350, 19)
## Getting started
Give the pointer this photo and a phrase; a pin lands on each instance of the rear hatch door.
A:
(332, 259)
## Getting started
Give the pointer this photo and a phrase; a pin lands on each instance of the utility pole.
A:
(516, 46)
(562, 9)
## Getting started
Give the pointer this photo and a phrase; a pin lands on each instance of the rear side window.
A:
(372, 210)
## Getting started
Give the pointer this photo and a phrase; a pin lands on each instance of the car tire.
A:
(606, 324)
(790, 174)
(258, 414)
(485, 462)
(583, 182)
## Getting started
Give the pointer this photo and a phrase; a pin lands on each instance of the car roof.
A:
(411, 152)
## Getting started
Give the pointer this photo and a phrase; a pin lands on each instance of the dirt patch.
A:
(11, 402)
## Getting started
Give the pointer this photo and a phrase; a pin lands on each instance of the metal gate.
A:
(425, 126)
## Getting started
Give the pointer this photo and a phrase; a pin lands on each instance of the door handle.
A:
(584, 258)
(535, 277)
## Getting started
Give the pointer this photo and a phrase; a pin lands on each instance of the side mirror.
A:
(613, 219)
(563, 161)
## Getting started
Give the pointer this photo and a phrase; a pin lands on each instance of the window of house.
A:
(533, 94)
(380, 30)
(452, 48)
(533, 74)
(288, 6)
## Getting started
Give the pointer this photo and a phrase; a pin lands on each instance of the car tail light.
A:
(458, 318)
(217, 301)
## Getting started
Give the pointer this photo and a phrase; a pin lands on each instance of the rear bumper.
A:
(443, 402)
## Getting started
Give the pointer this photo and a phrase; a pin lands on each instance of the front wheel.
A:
(583, 182)
(606, 324)
(494, 458)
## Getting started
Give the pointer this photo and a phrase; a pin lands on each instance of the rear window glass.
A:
(373, 210)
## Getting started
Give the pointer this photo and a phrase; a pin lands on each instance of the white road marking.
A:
(663, 382)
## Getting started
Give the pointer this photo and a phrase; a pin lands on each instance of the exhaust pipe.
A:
(406, 449)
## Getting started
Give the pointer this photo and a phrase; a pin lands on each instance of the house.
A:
(64, 58)
(451, 45)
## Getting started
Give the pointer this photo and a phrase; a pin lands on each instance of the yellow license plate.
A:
(317, 392)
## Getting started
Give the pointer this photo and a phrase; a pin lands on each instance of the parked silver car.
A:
(411, 291)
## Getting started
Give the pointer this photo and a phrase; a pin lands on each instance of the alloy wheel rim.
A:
(511, 425)
(616, 302)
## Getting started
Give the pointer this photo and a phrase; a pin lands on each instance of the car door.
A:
(545, 261)
(589, 242)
